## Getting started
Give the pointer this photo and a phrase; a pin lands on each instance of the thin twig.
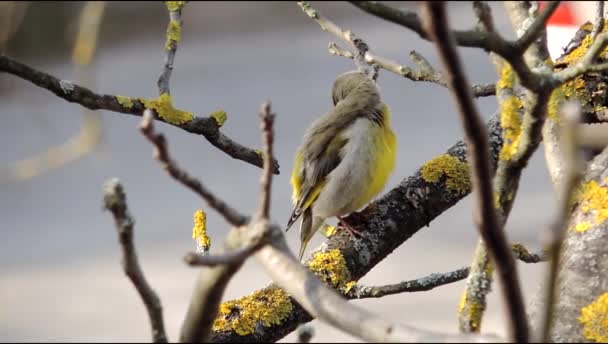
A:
(267, 119)
(194, 259)
(114, 199)
(435, 279)
(476, 138)
(73, 93)
(573, 169)
(162, 155)
(483, 12)
(598, 25)
(173, 34)
(585, 63)
(423, 74)
(429, 282)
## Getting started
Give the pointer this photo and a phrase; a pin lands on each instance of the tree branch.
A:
(267, 120)
(598, 25)
(327, 305)
(535, 30)
(425, 73)
(162, 155)
(173, 37)
(484, 215)
(73, 93)
(239, 255)
(114, 199)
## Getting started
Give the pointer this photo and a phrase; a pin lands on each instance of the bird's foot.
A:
(344, 224)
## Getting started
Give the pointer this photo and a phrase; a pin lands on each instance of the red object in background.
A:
(563, 15)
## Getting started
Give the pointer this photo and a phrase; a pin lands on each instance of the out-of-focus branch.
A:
(435, 22)
(89, 136)
(534, 31)
(479, 284)
(267, 120)
(114, 199)
(73, 93)
(162, 155)
(424, 73)
(232, 257)
(598, 25)
(573, 169)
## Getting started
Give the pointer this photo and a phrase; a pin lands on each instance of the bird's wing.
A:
(310, 172)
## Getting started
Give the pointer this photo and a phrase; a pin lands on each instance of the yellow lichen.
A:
(220, 117)
(165, 110)
(199, 231)
(555, 101)
(174, 33)
(331, 268)
(582, 226)
(456, 172)
(175, 5)
(576, 88)
(593, 202)
(126, 102)
(328, 231)
(269, 306)
(496, 200)
(594, 318)
(349, 286)
(507, 77)
(471, 312)
(510, 121)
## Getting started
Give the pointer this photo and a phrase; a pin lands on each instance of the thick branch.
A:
(485, 215)
(162, 155)
(73, 93)
(114, 199)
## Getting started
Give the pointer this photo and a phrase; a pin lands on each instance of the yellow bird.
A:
(345, 158)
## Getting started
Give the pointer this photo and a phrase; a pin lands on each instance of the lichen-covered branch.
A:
(164, 111)
(115, 200)
(424, 73)
(572, 174)
(479, 284)
(485, 217)
(326, 304)
(162, 155)
(580, 312)
(174, 32)
(437, 185)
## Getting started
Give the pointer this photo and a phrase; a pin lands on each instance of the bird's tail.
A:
(308, 228)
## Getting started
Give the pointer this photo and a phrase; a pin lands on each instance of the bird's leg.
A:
(349, 227)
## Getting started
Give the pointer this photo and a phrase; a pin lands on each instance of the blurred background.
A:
(61, 278)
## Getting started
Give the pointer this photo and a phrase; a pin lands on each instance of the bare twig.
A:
(231, 257)
(425, 73)
(267, 119)
(476, 137)
(73, 93)
(435, 279)
(598, 25)
(173, 36)
(429, 282)
(573, 169)
(162, 155)
(483, 12)
(114, 199)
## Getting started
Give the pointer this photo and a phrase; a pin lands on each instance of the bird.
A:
(345, 158)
